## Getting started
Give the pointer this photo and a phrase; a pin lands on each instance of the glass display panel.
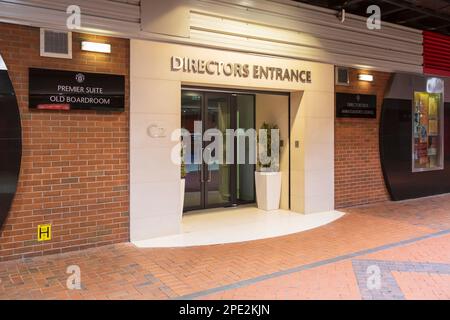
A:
(427, 131)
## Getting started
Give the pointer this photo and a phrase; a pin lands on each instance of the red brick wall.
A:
(358, 175)
(74, 171)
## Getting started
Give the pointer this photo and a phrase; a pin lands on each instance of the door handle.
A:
(202, 178)
(207, 166)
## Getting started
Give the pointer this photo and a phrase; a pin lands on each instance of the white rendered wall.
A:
(156, 101)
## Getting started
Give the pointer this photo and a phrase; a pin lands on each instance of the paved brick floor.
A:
(385, 251)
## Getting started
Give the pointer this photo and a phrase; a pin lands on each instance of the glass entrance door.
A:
(210, 180)
(218, 173)
(191, 116)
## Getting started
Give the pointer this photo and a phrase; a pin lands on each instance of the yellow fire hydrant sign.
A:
(44, 232)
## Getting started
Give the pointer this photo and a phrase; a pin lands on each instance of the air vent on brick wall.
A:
(56, 44)
(342, 76)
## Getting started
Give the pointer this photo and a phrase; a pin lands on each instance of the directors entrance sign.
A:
(73, 90)
(238, 70)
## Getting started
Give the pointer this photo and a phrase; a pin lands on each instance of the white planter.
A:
(268, 190)
(182, 186)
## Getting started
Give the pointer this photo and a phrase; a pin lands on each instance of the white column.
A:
(312, 163)
(154, 178)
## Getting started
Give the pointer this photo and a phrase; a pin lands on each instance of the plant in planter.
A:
(271, 164)
(183, 178)
(268, 177)
(183, 164)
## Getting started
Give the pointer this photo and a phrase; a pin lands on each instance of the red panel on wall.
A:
(436, 54)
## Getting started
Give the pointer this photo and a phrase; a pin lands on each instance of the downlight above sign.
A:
(72, 90)
(238, 70)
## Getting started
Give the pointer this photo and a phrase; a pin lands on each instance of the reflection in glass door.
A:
(209, 182)
(245, 119)
(191, 111)
(218, 119)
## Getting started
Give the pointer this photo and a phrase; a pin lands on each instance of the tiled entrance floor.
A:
(238, 224)
(384, 251)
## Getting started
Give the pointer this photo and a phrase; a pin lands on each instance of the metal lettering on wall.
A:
(239, 70)
(66, 90)
(10, 143)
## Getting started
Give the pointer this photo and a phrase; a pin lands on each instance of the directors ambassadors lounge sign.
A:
(239, 70)
(72, 90)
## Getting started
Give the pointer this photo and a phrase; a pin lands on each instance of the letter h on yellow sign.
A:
(44, 232)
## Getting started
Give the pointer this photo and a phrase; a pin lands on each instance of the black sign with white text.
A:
(72, 90)
(356, 105)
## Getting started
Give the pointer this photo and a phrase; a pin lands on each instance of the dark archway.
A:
(396, 139)
(10, 142)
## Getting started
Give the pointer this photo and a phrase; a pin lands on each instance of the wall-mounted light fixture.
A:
(365, 77)
(95, 47)
(434, 85)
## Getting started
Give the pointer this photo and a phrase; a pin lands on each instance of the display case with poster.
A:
(428, 129)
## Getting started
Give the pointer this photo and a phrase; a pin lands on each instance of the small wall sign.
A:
(73, 90)
(155, 131)
(44, 232)
(350, 105)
